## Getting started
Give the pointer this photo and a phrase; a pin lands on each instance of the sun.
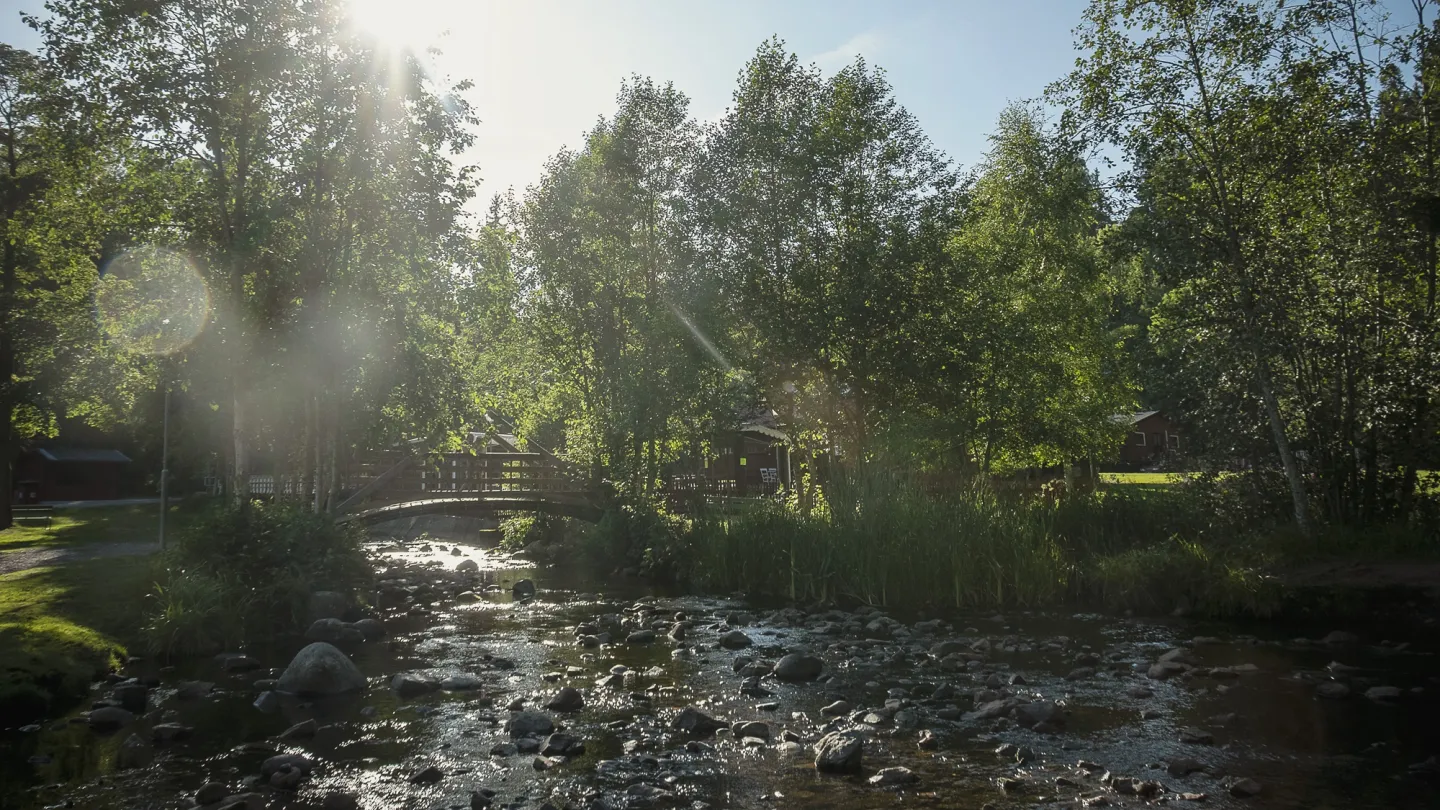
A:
(412, 24)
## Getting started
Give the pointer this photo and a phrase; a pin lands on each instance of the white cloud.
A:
(868, 45)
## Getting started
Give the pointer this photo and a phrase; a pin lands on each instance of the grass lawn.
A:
(63, 625)
(100, 524)
(1142, 478)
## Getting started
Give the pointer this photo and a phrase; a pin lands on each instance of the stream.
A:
(1024, 709)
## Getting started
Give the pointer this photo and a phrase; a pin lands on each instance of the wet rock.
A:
(567, 699)
(839, 707)
(427, 776)
(243, 801)
(326, 605)
(735, 640)
(194, 690)
(524, 589)
(285, 771)
(693, 721)
(340, 801)
(333, 631)
(321, 669)
(109, 718)
(543, 763)
(237, 662)
(170, 732)
(928, 741)
(135, 752)
(132, 697)
(482, 799)
(410, 684)
(562, 745)
(641, 637)
(796, 668)
(1183, 766)
(211, 792)
(504, 750)
(1383, 694)
(1010, 785)
(267, 702)
(1340, 638)
(300, 731)
(1042, 712)
(1080, 674)
(530, 724)
(1196, 736)
(461, 683)
(840, 752)
(751, 728)
(468, 567)
(1246, 788)
(1140, 692)
(1165, 670)
(888, 777)
(456, 552)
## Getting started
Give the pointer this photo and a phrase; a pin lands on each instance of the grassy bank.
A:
(63, 624)
(1151, 549)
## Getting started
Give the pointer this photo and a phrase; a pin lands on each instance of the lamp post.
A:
(165, 465)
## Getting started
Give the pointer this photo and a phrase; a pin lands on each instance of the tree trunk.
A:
(1299, 499)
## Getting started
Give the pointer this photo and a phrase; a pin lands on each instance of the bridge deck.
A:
(572, 504)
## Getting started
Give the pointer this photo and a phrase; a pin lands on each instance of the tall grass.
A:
(881, 540)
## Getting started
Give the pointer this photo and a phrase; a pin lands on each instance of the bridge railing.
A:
(459, 474)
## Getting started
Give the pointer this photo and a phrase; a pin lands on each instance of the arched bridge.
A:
(398, 485)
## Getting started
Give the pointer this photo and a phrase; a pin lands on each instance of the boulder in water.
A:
(524, 589)
(320, 669)
(795, 667)
(840, 752)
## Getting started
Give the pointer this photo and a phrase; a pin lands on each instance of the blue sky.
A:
(546, 69)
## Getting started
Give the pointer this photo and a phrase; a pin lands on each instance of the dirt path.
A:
(12, 561)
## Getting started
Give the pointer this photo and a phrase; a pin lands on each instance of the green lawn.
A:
(62, 625)
(1144, 478)
(101, 524)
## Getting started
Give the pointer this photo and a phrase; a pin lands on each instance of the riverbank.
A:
(663, 700)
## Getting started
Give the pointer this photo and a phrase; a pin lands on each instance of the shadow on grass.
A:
(103, 524)
(63, 626)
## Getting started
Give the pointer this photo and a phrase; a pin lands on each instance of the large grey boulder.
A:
(693, 721)
(320, 669)
(795, 667)
(333, 631)
(840, 752)
(531, 724)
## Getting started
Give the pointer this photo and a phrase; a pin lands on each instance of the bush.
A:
(248, 571)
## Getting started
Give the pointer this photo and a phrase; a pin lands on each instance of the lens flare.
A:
(152, 301)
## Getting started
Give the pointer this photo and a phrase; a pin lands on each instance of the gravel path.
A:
(12, 561)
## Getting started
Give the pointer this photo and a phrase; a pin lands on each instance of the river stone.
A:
(169, 732)
(302, 730)
(237, 662)
(640, 637)
(468, 567)
(242, 801)
(1031, 715)
(410, 684)
(837, 708)
(530, 724)
(211, 792)
(333, 631)
(524, 589)
(1196, 736)
(461, 683)
(562, 745)
(840, 752)
(567, 699)
(1165, 670)
(109, 718)
(693, 721)
(273, 764)
(327, 605)
(1184, 766)
(320, 669)
(735, 640)
(340, 801)
(1340, 637)
(135, 752)
(1245, 788)
(750, 728)
(133, 697)
(887, 777)
(428, 776)
(194, 690)
(1383, 693)
(1332, 690)
(796, 667)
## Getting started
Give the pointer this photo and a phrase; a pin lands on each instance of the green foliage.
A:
(248, 571)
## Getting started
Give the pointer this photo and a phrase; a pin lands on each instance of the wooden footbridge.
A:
(395, 485)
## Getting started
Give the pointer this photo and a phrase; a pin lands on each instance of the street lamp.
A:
(165, 466)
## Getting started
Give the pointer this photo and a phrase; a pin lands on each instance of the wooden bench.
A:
(32, 514)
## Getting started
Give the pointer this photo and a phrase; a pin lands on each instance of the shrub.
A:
(248, 571)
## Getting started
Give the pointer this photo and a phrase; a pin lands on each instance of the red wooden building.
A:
(1151, 435)
(68, 474)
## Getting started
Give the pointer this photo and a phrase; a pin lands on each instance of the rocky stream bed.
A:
(490, 684)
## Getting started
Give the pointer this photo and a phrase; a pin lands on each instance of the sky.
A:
(545, 70)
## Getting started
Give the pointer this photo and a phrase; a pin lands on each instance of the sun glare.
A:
(413, 24)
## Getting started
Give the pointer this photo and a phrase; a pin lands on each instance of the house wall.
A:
(1149, 439)
(70, 480)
